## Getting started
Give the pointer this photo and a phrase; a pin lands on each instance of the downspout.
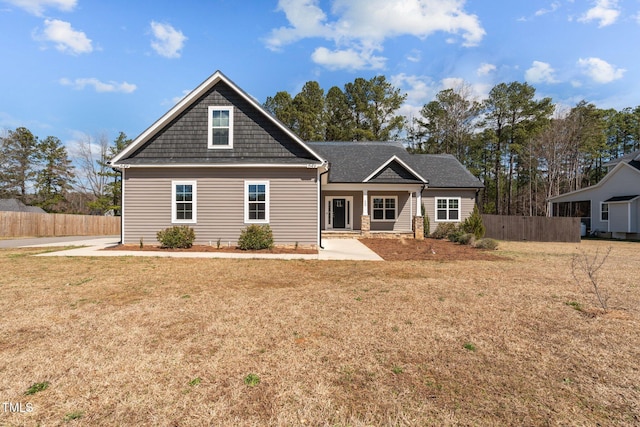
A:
(320, 205)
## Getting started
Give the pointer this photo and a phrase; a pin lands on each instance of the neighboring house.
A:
(15, 205)
(218, 162)
(611, 205)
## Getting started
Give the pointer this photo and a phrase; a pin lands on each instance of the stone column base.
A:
(418, 227)
(365, 225)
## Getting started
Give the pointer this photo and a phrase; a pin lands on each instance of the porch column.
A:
(365, 203)
(418, 220)
(419, 203)
(365, 220)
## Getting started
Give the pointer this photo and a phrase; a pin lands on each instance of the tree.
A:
(308, 107)
(56, 176)
(92, 171)
(281, 107)
(339, 121)
(19, 162)
(373, 105)
(447, 124)
(515, 116)
(103, 181)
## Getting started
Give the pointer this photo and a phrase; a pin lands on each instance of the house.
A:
(217, 161)
(609, 207)
(15, 205)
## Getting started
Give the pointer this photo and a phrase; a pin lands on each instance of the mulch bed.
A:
(206, 248)
(427, 249)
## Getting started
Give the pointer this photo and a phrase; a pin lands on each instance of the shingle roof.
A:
(621, 199)
(628, 158)
(352, 162)
(15, 205)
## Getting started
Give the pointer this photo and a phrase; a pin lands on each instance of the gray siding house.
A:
(610, 207)
(218, 162)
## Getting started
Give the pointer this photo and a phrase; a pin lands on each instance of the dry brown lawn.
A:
(168, 342)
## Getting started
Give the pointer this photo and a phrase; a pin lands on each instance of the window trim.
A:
(210, 128)
(602, 204)
(194, 203)
(448, 219)
(266, 202)
(384, 209)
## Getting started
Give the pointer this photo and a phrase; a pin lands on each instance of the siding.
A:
(402, 224)
(256, 136)
(220, 203)
(395, 173)
(467, 201)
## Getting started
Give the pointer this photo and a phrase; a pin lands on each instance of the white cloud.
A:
(349, 59)
(485, 69)
(363, 25)
(599, 70)
(168, 41)
(37, 7)
(98, 85)
(554, 6)
(606, 12)
(540, 72)
(66, 39)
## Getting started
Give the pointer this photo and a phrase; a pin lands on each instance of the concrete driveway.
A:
(334, 249)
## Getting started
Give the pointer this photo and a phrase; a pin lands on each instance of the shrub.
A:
(473, 224)
(443, 230)
(256, 237)
(486, 244)
(466, 239)
(178, 236)
(426, 224)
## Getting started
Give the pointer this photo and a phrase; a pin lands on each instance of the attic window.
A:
(220, 127)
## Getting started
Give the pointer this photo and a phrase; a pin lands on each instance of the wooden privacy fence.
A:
(533, 228)
(26, 224)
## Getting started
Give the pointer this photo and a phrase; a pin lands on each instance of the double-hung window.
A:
(256, 202)
(384, 208)
(183, 202)
(604, 211)
(447, 209)
(220, 127)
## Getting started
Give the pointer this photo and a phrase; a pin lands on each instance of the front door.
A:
(339, 213)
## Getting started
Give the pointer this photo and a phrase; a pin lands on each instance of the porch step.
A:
(373, 235)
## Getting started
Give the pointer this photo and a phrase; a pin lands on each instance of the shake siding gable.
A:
(255, 136)
(220, 198)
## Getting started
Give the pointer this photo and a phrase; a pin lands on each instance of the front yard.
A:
(157, 341)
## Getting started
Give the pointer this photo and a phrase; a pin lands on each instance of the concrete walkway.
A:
(334, 249)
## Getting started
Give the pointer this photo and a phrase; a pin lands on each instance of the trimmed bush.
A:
(473, 224)
(256, 237)
(486, 244)
(443, 230)
(178, 236)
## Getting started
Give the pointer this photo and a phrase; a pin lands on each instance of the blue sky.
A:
(72, 68)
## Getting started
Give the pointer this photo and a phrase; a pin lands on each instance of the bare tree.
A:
(584, 265)
(92, 154)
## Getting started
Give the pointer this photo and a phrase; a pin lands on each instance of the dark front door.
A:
(339, 211)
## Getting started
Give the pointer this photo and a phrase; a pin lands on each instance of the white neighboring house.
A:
(612, 205)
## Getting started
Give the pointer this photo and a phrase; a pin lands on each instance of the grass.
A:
(125, 346)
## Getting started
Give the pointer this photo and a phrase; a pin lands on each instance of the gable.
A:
(394, 173)
(181, 136)
(622, 180)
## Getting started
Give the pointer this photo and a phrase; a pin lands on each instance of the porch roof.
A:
(354, 162)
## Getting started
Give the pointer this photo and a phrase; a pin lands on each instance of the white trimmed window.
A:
(604, 212)
(384, 208)
(447, 208)
(220, 127)
(256, 202)
(183, 202)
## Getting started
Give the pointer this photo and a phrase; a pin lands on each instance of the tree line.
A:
(524, 149)
(40, 172)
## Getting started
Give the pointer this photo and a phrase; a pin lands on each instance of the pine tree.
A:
(55, 178)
